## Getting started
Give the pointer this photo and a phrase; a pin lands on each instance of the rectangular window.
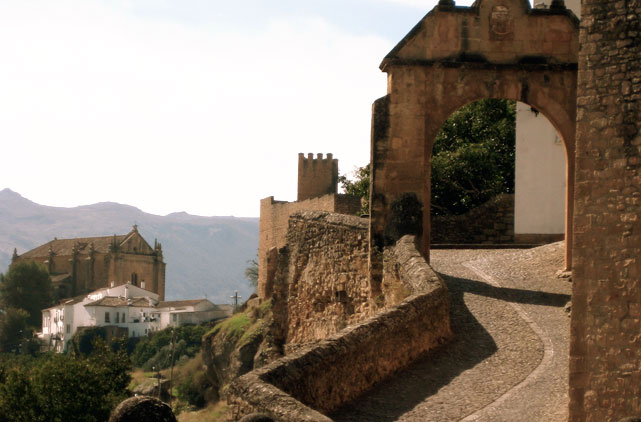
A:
(174, 317)
(117, 317)
(107, 317)
(123, 317)
(68, 328)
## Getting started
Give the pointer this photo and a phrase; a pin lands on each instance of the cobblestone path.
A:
(508, 361)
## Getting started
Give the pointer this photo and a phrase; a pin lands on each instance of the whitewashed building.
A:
(126, 310)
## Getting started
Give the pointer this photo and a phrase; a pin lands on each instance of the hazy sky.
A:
(187, 105)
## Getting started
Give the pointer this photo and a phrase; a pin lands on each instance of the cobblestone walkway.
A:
(509, 359)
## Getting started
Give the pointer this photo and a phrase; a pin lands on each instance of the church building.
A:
(82, 265)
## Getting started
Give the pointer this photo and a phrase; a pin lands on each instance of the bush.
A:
(156, 349)
(65, 388)
(192, 389)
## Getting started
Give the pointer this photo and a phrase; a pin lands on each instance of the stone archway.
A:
(454, 56)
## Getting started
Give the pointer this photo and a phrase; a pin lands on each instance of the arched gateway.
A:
(454, 56)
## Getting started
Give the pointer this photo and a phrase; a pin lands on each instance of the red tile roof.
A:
(64, 246)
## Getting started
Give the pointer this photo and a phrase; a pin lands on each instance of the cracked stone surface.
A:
(509, 361)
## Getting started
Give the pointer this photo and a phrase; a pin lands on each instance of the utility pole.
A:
(171, 372)
(236, 297)
(153, 368)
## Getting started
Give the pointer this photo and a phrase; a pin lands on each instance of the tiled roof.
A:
(180, 303)
(113, 301)
(109, 301)
(60, 277)
(64, 246)
(139, 301)
(68, 301)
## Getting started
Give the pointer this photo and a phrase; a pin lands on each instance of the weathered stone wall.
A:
(605, 347)
(492, 222)
(320, 378)
(327, 285)
(274, 220)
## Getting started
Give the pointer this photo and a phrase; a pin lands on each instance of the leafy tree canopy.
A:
(13, 329)
(358, 185)
(473, 156)
(472, 159)
(65, 388)
(251, 273)
(27, 286)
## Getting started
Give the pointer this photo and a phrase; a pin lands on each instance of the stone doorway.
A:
(452, 57)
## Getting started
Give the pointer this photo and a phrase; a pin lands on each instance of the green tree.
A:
(64, 388)
(27, 286)
(251, 273)
(473, 156)
(13, 329)
(18, 401)
(472, 159)
(358, 186)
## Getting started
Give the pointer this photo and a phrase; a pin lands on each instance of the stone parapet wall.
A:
(492, 222)
(320, 378)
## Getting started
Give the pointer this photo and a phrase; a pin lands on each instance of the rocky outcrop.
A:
(238, 345)
(142, 409)
(150, 387)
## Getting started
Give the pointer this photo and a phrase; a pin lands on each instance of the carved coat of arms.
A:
(501, 23)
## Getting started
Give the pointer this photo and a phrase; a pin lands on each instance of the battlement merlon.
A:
(316, 176)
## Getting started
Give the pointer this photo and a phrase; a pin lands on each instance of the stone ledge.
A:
(334, 219)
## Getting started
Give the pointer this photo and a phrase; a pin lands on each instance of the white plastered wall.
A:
(539, 193)
(539, 204)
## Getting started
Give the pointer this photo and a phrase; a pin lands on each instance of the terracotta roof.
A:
(109, 301)
(68, 301)
(60, 277)
(64, 246)
(179, 303)
(113, 301)
(140, 301)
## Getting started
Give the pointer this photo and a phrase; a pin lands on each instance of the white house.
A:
(127, 310)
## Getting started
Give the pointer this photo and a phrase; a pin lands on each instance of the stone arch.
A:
(454, 56)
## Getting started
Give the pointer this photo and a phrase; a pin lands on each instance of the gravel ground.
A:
(508, 361)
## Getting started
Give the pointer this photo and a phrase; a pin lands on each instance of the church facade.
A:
(81, 265)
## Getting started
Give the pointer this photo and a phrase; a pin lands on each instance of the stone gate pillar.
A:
(605, 346)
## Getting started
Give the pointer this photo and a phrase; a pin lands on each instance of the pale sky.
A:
(187, 105)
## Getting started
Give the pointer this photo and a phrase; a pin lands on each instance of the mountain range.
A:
(205, 256)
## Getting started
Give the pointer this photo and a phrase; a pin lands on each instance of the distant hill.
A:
(204, 255)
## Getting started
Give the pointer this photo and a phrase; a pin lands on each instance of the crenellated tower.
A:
(316, 176)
